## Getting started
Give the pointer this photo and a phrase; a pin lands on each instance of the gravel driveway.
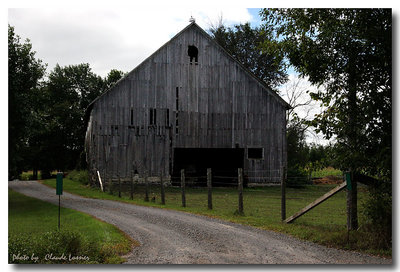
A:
(172, 237)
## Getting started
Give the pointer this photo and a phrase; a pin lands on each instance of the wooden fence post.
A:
(132, 177)
(183, 187)
(146, 196)
(283, 193)
(111, 184)
(209, 186)
(162, 190)
(352, 220)
(240, 189)
(119, 186)
(105, 180)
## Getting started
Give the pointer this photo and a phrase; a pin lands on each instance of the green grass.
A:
(33, 229)
(325, 224)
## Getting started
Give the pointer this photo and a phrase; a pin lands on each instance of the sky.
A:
(122, 36)
(118, 38)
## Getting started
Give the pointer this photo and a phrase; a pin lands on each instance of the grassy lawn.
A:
(325, 224)
(33, 231)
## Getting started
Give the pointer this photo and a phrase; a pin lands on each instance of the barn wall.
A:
(214, 104)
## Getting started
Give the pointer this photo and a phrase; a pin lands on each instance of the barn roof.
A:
(206, 35)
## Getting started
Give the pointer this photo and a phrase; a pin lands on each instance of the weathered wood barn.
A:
(190, 106)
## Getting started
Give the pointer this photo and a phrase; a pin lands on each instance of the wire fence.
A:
(298, 189)
(240, 193)
(257, 200)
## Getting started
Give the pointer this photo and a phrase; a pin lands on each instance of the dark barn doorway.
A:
(224, 163)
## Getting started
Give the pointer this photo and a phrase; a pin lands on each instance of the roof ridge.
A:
(262, 83)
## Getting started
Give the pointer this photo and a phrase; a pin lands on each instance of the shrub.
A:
(81, 176)
(51, 247)
(378, 215)
(297, 177)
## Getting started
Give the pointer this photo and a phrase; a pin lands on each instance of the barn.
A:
(190, 105)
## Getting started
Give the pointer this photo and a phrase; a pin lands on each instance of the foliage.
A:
(326, 171)
(244, 44)
(32, 232)
(348, 51)
(297, 148)
(112, 77)
(24, 76)
(69, 91)
(47, 117)
(378, 213)
(81, 176)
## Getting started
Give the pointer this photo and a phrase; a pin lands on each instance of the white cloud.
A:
(116, 38)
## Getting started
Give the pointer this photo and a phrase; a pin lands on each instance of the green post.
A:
(59, 191)
(59, 185)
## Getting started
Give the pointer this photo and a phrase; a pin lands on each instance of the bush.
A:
(378, 215)
(81, 176)
(297, 177)
(50, 247)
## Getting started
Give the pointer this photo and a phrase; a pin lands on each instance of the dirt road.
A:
(172, 237)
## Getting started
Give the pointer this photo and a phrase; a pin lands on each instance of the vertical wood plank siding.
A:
(219, 105)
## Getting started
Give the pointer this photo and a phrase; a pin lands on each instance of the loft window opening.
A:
(193, 53)
(255, 153)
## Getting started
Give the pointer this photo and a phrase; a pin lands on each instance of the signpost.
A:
(59, 190)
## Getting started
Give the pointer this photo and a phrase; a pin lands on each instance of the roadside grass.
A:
(33, 231)
(325, 224)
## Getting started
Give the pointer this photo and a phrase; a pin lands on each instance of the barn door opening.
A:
(224, 163)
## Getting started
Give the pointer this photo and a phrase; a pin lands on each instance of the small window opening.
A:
(153, 117)
(177, 99)
(167, 118)
(255, 153)
(131, 117)
(193, 53)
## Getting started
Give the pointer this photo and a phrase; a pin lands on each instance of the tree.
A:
(244, 44)
(349, 52)
(24, 77)
(112, 77)
(70, 90)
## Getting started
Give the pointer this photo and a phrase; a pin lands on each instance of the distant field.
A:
(325, 224)
(33, 225)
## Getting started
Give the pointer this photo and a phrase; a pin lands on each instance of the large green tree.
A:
(348, 51)
(244, 43)
(25, 73)
(69, 91)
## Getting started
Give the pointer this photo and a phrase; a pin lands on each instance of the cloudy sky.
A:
(115, 38)
(118, 38)
(122, 36)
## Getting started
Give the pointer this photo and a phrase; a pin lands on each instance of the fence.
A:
(223, 190)
(154, 188)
